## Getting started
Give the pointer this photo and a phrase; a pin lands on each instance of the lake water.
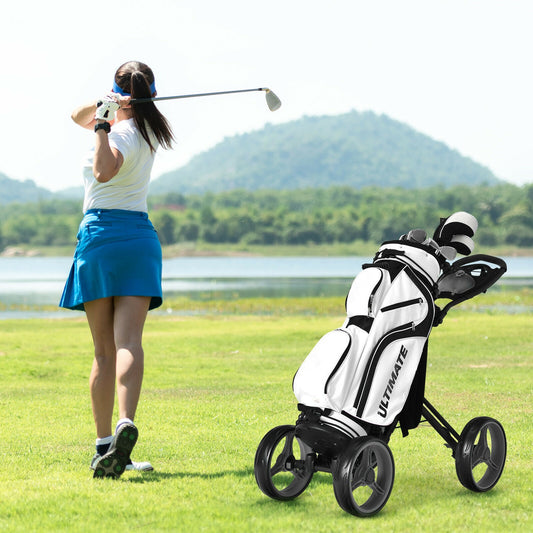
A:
(38, 281)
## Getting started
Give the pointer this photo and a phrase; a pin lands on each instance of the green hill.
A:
(354, 149)
(12, 191)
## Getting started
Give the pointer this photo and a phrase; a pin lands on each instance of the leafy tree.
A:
(20, 229)
(188, 231)
(165, 224)
(333, 214)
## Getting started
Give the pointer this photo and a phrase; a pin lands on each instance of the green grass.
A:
(498, 299)
(214, 385)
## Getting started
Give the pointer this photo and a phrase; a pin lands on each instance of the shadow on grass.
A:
(432, 490)
(153, 477)
(147, 477)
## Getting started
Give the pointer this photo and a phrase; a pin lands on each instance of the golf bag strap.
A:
(425, 272)
(361, 321)
(391, 266)
(411, 413)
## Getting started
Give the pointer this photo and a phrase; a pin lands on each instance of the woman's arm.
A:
(84, 115)
(107, 160)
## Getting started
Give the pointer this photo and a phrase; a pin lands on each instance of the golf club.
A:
(273, 102)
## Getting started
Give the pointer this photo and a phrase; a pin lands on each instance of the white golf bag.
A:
(361, 374)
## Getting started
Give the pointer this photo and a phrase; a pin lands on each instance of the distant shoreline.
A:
(364, 249)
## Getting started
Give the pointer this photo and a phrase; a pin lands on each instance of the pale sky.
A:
(459, 71)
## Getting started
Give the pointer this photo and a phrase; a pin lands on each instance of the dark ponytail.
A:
(135, 78)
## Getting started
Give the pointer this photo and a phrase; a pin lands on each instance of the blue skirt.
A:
(118, 254)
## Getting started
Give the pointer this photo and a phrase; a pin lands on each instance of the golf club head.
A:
(273, 102)
(431, 243)
(417, 235)
(448, 252)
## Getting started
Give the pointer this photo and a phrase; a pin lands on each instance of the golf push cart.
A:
(365, 379)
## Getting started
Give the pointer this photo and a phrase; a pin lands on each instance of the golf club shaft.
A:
(159, 98)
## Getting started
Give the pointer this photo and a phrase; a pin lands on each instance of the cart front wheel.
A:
(363, 476)
(284, 465)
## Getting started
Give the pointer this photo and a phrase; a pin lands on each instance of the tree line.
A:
(306, 216)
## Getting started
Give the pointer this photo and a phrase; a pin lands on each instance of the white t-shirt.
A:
(129, 188)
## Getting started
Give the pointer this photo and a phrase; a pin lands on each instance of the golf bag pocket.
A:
(367, 291)
(318, 374)
(340, 379)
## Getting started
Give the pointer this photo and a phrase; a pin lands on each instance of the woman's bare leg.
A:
(102, 379)
(129, 317)
(116, 326)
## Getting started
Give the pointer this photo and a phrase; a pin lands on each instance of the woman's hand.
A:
(106, 107)
(122, 101)
(84, 115)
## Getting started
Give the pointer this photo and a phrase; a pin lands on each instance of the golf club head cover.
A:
(105, 108)
(457, 231)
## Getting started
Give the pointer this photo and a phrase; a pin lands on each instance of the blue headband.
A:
(117, 89)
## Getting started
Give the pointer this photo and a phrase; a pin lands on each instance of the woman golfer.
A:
(116, 272)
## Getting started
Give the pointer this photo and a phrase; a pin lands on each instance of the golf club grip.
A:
(159, 98)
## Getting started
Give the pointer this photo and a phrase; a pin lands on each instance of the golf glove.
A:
(106, 107)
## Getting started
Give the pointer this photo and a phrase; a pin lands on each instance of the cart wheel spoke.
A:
(378, 488)
(279, 466)
(481, 450)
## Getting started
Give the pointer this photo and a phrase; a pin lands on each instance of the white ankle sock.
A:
(102, 445)
(123, 421)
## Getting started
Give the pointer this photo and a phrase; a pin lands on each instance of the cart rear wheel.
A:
(480, 454)
(363, 477)
(284, 465)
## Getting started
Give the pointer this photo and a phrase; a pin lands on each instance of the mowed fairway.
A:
(214, 385)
